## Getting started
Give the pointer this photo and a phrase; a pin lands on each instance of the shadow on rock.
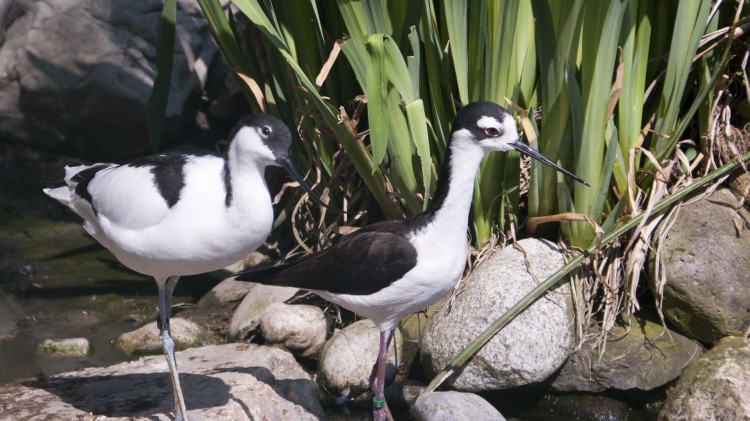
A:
(128, 395)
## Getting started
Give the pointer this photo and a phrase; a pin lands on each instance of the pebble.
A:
(70, 347)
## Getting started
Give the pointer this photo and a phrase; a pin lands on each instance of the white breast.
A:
(440, 264)
(198, 234)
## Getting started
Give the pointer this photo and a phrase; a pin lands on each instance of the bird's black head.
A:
(486, 125)
(265, 140)
(492, 128)
(261, 137)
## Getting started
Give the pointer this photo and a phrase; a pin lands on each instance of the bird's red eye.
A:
(492, 132)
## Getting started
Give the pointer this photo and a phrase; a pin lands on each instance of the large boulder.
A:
(530, 348)
(715, 387)
(220, 382)
(642, 356)
(78, 74)
(706, 261)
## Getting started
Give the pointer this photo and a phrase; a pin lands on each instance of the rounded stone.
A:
(226, 291)
(300, 328)
(530, 348)
(643, 356)
(449, 406)
(705, 263)
(145, 340)
(70, 347)
(715, 387)
(247, 315)
(347, 358)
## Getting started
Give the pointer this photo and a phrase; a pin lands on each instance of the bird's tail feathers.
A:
(61, 194)
(263, 275)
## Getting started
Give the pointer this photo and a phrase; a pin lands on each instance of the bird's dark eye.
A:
(492, 132)
(265, 130)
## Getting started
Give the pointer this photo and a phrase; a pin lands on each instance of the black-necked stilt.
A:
(182, 213)
(387, 270)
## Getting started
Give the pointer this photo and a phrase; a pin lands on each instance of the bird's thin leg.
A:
(166, 287)
(380, 410)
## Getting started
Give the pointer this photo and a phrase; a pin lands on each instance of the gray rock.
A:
(230, 290)
(220, 382)
(145, 340)
(530, 348)
(449, 406)
(715, 387)
(403, 393)
(706, 262)
(226, 291)
(247, 315)
(300, 328)
(347, 358)
(82, 71)
(643, 358)
(69, 347)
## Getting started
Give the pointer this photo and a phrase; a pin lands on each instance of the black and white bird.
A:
(183, 213)
(390, 269)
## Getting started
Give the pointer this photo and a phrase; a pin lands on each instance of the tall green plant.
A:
(594, 59)
(606, 83)
(586, 64)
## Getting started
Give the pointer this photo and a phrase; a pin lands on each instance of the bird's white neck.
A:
(249, 192)
(452, 200)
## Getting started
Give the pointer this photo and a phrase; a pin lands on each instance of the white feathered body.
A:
(199, 233)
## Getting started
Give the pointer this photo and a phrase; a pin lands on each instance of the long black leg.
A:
(166, 287)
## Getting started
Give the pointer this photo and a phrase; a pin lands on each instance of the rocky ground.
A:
(253, 351)
(77, 329)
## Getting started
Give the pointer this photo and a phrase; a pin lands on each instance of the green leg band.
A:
(378, 403)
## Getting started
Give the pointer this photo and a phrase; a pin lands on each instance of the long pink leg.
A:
(380, 410)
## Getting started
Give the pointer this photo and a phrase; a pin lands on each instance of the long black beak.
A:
(285, 163)
(528, 150)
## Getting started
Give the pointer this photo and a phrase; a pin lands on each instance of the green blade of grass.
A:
(376, 91)
(457, 26)
(157, 102)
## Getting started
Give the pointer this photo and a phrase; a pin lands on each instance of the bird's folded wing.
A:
(360, 264)
(126, 197)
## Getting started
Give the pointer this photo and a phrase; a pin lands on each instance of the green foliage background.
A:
(620, 92)
(373, 86)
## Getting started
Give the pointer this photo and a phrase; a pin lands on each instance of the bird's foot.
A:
(179, 417)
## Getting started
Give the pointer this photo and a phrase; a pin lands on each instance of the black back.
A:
(362, 263)
(167, 169)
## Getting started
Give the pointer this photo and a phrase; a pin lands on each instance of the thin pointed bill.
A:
(285, 163)
(528, 150)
